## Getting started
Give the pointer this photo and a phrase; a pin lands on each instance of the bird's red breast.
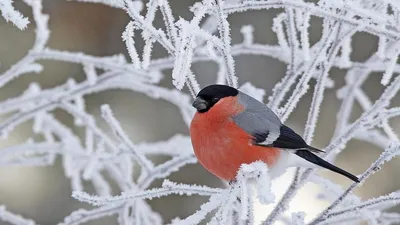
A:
(221, 146)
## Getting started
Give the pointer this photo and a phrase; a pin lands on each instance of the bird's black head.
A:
(210, 95)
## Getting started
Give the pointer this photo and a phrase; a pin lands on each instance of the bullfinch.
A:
(231, 128)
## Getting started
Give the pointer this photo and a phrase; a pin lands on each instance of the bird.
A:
(231, 128)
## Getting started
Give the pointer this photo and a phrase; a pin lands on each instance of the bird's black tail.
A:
(311, 157)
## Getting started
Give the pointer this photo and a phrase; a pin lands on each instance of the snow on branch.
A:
(206, 37)
(387, 155)
(12, 218)
(9, 13)
(167, 188)
(223, 199)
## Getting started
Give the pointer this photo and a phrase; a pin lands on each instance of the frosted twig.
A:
(314, 10)
(247, 32)
(42, 35)
(165, 169)
(184, 55)
(339, 141)
(282, 87)
(168, 20)
(348, 95)
(12, 218)
(117, 129)
(89, 123)
(114, 3)
(140, 22)
(302, 86)
(381, 103)
(319, 90)
(226, 39)
(389, 200)
(149, 42)
(305, 43)
(127, 36)
(385, 156)
(9, 13)
(82, 215)
(206, 208)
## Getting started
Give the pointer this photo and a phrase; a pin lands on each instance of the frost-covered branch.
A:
(12, 218)
(9, 13)
(223, 199)
(385, 156)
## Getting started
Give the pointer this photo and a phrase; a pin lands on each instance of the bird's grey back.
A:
(258, 120)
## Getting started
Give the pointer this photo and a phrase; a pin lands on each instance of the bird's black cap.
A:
(211, 94)
(217, 91)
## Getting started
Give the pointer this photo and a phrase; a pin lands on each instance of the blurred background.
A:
(43, 193)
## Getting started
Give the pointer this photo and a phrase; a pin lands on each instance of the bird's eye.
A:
(215, 100)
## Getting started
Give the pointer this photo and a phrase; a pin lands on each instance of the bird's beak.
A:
(200, 104)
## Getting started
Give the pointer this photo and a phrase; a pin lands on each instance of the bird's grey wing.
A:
(267, 130)
(258, 120)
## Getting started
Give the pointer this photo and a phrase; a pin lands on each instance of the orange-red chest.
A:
(221, 146)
